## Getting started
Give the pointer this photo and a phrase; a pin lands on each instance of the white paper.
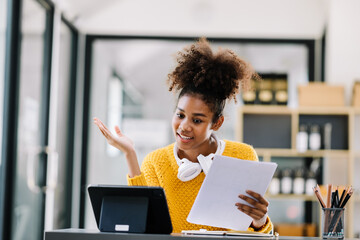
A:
(226, 180)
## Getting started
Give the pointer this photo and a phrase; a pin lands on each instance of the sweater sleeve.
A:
(148, 176)
(137, 180)
(252, 154)
(266, 228)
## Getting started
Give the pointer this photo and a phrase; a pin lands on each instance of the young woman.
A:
(206, 80)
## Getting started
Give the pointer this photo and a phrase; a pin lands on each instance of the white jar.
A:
(299, 185)
(286, 181)
(274, 187)
(302, 139)
(315, 138)
(310, 183)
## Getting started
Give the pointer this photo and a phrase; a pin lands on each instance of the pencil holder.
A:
(333, 223)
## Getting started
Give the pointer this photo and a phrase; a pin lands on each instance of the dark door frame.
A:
(10, 115)
(71, 121)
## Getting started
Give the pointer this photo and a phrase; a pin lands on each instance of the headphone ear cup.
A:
(205, 162)
(188, 170)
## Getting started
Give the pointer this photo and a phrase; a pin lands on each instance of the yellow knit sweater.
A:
(160, 168)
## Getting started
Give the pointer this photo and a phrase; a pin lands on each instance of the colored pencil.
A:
(337, 197)
(317, 194)
(328, 203)
(342, 196)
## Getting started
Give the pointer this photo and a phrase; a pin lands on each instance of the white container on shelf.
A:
(315, 138)
(302, 139)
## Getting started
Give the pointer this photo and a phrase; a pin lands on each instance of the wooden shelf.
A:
(295, 153)
(357, 110)
(273, 109)
(303, 197)
(264, 109)
(324, 110)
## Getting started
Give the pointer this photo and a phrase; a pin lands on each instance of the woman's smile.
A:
(184, 138)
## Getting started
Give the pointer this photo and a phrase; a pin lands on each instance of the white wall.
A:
(343, 44)
(101, 168)
(343, 64)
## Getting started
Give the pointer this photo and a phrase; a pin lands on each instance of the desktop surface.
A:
(86, 234)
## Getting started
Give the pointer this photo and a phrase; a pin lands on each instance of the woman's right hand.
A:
(124, 144)
(121, 142)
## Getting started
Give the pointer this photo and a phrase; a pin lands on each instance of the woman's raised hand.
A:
(124, 144)
(120, 141)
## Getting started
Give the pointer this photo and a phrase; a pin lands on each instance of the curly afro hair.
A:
(214, 77)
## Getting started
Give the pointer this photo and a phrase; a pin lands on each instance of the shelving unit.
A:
(303, 197)
(295, 153)
(272, 131)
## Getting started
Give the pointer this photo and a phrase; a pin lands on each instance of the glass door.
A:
(27, 220)
(61, 132)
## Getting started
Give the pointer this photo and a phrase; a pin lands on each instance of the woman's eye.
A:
(197, 121)
(180, 115)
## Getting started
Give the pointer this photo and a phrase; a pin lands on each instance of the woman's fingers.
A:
(97, 122)
(261, 207)
(258, 205)
(258, 216)
(118, 140)
(258, 197)
(118, 131)
(104, 126)
(250, 211)
(104, 130)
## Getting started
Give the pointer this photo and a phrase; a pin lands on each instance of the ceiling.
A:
(227, 18)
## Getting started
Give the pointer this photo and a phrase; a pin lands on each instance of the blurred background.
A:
(64, 62)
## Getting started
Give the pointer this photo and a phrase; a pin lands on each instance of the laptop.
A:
(130, 209)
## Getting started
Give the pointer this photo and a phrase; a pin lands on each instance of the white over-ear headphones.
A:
(189, 170)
